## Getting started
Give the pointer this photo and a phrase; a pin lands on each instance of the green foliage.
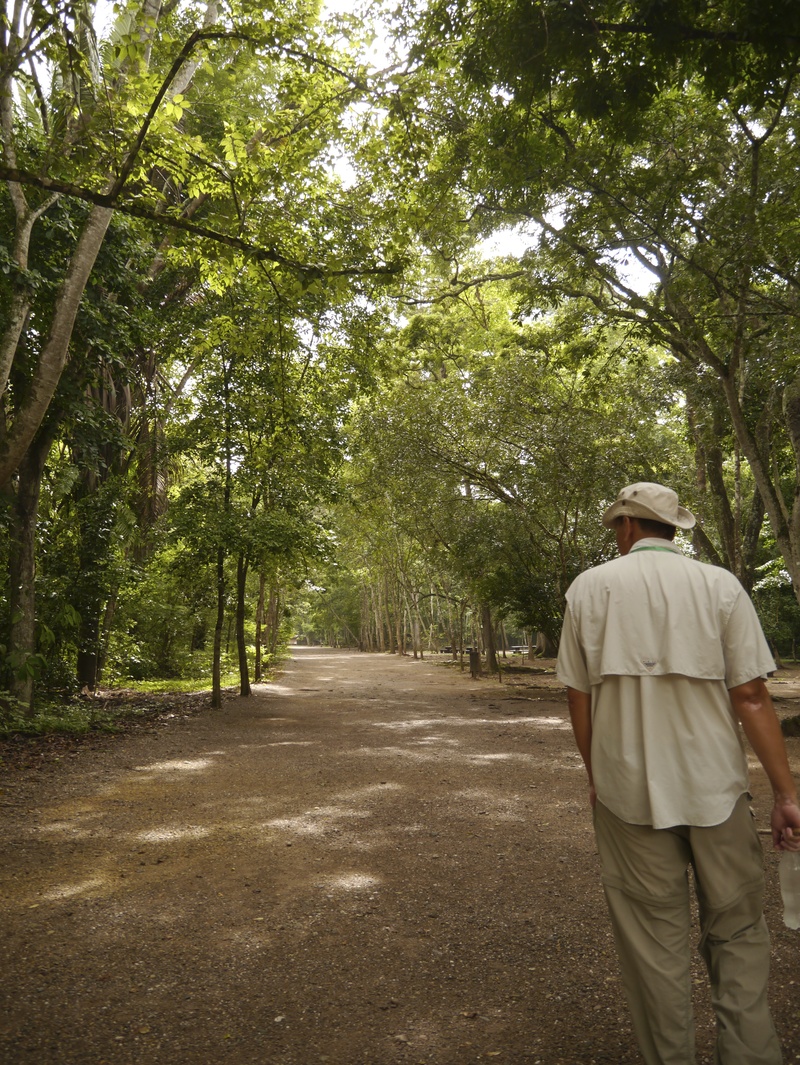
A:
(256, 401)
(778, 609)
(498, 449)
(75, 718)
(329, 613)
(650, 152)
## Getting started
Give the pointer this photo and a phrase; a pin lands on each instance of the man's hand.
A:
(580, 712)
(785, 822)
(752, 704)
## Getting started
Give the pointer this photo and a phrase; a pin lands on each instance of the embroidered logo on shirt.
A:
(649, 664)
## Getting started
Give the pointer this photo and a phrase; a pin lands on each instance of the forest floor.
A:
(372, 861)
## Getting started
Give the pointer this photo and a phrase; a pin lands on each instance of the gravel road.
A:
(373, 861)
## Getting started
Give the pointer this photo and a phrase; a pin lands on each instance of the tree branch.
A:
(102, 199)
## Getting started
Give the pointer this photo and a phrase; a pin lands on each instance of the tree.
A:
(659, 136)
(491, 451)
(264, 439)
(133, 126)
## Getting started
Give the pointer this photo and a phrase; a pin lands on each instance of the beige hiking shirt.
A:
(658, 638)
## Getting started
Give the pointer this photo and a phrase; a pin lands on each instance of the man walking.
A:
(664, 658)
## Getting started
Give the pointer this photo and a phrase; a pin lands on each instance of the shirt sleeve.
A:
(571, 664)
(747, 653)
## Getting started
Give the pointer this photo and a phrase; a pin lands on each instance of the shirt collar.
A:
(655, 541)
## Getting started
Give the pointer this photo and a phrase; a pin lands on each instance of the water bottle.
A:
(789, 875)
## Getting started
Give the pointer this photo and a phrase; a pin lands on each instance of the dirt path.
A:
(373, 861)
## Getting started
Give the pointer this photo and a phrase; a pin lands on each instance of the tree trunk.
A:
(273, 622)
(89, 654)
(105, 633)
(488, 638)
(216, 667)
(785, 523)
(262, 583)
(90, 590)
(22, 568)
(242, 566)
(544, 646)
(413, 610)
(364, 617)
(399, 637)
(52, 360)
(377, 618)
(392, 647)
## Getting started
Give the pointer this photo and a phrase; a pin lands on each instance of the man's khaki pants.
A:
(645, 878)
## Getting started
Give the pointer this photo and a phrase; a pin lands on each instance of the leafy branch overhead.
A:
(134, 126)
(169, 221)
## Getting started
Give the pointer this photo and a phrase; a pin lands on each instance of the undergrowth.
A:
(108, 709)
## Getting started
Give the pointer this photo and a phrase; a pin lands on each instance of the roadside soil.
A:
(373, 860)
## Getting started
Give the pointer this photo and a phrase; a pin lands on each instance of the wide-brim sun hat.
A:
(645, 499)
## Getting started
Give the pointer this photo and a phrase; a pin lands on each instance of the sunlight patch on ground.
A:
(351, 882)
(279, 689)
(185, 765)
(508, 757)
(315, 822)
(417, 722)
(169, 835)
(463, 722)
(313, 654)
(487, 803)
(546, 722)
(358, 794)
(444, 752)
(69, 891)
(321, 819)
(80, 823)
(292, 743)
(477, 795)
(431, 755)
(435, 741)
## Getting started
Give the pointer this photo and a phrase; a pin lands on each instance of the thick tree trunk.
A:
(90, 589)
(488, 638)
(88, 655)
(53, 357)
(105, 633)
(22, 568)
(785, 523)
(544, 646)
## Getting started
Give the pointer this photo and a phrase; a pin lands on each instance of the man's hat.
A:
(647, 500)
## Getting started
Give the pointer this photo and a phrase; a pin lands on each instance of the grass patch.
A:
(75, 719)
(128, 702)
(182, 686)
